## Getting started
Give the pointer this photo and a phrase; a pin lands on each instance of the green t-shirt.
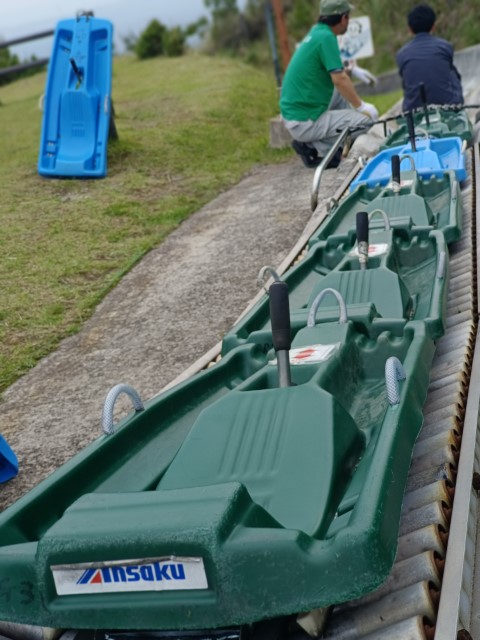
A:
(307, 87)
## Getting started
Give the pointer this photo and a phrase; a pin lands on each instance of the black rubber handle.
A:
(423, 94)
(76, 70)
(411, 130)
(280, 316)
(362, 226)
(423, 98)
(396, 169)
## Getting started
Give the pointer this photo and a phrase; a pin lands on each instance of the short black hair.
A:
(333, 19)
(421, 18)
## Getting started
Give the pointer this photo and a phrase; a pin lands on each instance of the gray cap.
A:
(335, 7)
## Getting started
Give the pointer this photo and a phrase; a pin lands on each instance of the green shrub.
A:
(174, 42)
(151, 42)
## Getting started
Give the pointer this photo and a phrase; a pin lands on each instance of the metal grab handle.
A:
(385, 217)
(322, 166)
(332, 204)
(409, 157)
(261, 276)
(315, 304)
(422, 131)
(394, 372)
(442, 265)
(107, 413)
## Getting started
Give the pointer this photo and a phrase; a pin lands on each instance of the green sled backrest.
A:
(292, 448)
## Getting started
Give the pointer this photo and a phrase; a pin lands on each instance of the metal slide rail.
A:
(458, 592)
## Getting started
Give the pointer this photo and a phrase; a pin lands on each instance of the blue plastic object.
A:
(77, 106)
(432, 158)
(8, 461)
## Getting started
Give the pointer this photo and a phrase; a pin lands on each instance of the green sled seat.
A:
(406, 278)
(272, 494)
(433, 203)
(442, 123)
(78, 133)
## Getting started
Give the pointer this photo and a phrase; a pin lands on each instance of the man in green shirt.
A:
(318, 98)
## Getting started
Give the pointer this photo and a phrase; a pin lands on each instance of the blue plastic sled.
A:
(8, 461)
(77, 106)
(432, 158)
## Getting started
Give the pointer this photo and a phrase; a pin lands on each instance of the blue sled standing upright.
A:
(77, 105)
(8, 461)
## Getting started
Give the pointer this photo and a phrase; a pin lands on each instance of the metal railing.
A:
(25, 65)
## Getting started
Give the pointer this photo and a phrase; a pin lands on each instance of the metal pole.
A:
(35, 36)
(272, 40)
(282, 33)
(23, 67)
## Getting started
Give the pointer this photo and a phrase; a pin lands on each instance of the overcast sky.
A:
(24, 17)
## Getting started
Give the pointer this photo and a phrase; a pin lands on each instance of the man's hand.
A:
(368, 109)
(344, 86)
(364, 75)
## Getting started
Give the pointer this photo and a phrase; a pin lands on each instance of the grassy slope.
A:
(189, 128)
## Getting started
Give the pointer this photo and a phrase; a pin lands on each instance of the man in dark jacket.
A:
(427, 59)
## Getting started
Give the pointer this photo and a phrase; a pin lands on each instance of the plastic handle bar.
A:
(396, 169)
(411, 130)
(362, 226)
(280, 316)
(423, 94)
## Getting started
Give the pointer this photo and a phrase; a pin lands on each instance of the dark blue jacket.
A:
(429, 59)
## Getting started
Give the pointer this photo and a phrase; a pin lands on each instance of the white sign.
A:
(148, 574)
(357, 42)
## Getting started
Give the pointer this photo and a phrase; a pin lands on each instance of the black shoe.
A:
(310, 157)
(308, 154)
(335, 161)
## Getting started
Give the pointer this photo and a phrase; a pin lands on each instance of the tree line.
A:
(244, 32)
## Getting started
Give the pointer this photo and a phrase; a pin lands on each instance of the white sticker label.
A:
(373, 250)
(154, 574)
(432, 118)
(311, 354)
(403, 183)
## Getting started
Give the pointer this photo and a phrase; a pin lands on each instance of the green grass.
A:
(384, 101)
(188, 128)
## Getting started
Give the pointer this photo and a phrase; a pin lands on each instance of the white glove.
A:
(368, 109)
(364, 75)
